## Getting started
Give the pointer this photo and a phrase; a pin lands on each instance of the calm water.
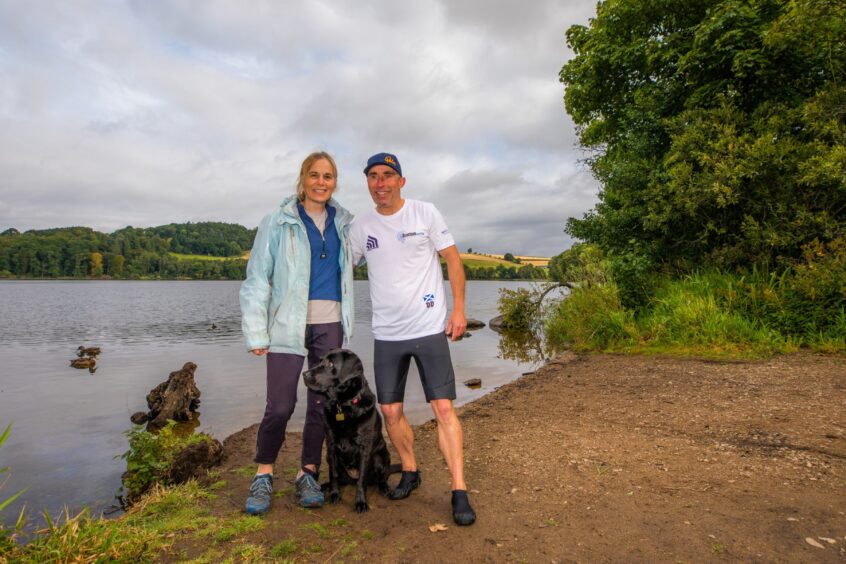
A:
(69, 424)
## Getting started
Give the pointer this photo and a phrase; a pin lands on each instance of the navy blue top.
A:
(325, 280)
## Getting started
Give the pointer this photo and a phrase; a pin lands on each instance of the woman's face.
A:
(319, 182)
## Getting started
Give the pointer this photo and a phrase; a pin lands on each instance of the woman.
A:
(297, 301)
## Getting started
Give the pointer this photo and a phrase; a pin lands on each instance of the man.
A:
(401, 240)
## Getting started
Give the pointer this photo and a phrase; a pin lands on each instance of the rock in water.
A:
(174, 399)
(473, 383)
(475, 324)
(496, 323)
(139, 417)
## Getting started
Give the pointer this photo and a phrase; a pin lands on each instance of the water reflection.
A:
(524, 346)
(184, 429)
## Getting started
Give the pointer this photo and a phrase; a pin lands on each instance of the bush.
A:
(700, 312)
(634, 278)
(591, 317)
(518, 308)
(150, 457)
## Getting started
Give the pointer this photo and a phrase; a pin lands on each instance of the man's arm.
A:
(457, 323)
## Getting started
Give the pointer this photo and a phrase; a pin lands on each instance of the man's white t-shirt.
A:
(406, 282)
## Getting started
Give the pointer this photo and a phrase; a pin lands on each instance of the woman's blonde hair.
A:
(310, 160)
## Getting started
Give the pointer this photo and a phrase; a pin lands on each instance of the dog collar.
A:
(339, 416)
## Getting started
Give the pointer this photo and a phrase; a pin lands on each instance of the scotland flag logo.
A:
(372, 243)
(429, 300)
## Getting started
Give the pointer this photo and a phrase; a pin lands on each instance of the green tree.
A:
(717, 128)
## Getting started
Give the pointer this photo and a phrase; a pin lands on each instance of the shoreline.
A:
(596, 457)
(613, 457)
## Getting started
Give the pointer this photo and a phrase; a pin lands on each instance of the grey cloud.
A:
(149, 112)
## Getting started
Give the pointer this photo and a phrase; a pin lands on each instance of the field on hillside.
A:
(473, 259)
(182, 256)
(470, 259)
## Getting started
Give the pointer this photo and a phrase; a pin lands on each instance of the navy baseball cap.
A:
(386, 159)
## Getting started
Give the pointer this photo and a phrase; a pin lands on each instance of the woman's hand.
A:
(259, 352)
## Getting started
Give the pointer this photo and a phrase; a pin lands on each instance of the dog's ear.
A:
(352, 364)
(350, 384)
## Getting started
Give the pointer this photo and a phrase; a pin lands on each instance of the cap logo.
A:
(390, 160)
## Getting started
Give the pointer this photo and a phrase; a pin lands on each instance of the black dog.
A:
(353, 427)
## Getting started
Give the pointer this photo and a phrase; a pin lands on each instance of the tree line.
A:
(498, 272)
(156, 252)
(81, 252)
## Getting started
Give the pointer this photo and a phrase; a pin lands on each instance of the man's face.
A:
(384, 184)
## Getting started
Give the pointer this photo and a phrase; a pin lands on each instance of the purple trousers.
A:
(283, 376)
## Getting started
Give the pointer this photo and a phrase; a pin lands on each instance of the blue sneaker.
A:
(309, 491)
(261, 491)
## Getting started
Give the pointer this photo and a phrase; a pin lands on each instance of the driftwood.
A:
(176, 399)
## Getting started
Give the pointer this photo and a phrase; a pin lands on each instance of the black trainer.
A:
(462, 513)
(408, 482)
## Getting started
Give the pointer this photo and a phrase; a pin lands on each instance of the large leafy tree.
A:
(717, 128)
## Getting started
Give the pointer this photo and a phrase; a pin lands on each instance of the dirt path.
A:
(607, 458)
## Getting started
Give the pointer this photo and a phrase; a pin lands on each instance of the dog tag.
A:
(340, 415)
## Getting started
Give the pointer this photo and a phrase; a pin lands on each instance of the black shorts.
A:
(391, 360)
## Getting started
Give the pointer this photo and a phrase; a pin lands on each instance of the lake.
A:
(69, 424)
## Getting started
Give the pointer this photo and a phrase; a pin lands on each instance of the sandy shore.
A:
(605, 458)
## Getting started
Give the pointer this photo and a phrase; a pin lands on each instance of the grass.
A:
(238, 527)
(287, 547)
(162, 521)
(142, 534)
(694, 316)
(245, 471)
(318, 528)
(478, 261)
(248, 552)
(182, 256)
(470, 259)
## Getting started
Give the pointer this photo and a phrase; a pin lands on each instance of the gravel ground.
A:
(606, 458)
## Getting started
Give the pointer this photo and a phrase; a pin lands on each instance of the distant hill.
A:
(207, 250)
(209, 238)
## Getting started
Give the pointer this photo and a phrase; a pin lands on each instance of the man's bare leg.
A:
(450, 440)
(400, 433)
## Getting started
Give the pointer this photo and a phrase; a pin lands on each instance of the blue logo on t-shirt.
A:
(402, 236)
(429, 300)
(372, 243)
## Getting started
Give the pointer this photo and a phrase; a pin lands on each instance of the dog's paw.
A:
(361, 507)
(384, 489)
(334, 497)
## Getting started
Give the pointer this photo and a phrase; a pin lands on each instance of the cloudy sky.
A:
(120, 112)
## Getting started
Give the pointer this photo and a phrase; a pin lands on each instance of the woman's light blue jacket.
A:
(274, 296)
